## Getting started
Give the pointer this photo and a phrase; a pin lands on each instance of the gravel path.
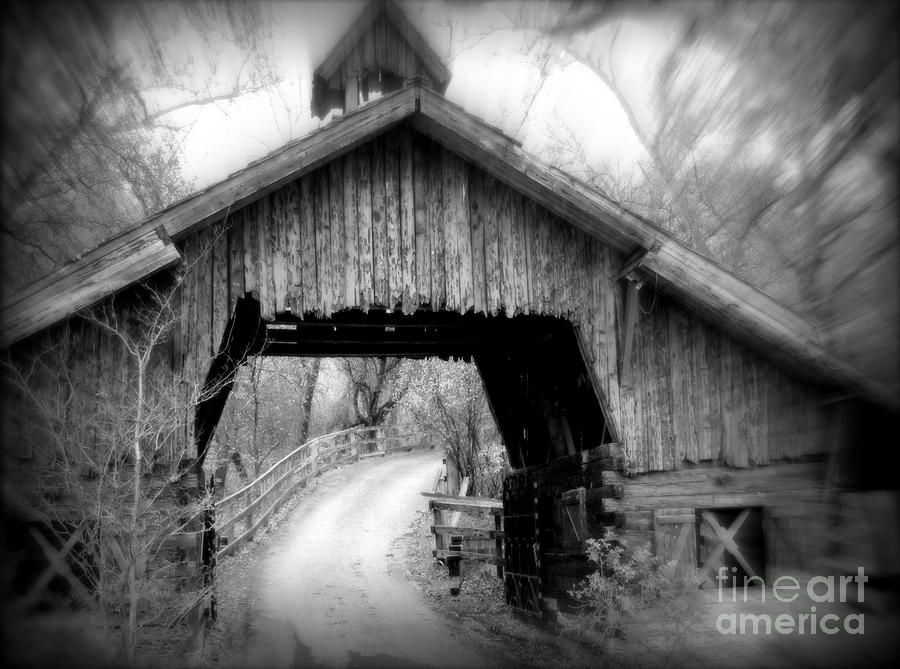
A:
(325, 596)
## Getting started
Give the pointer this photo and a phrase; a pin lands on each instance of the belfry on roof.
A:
(378, 55)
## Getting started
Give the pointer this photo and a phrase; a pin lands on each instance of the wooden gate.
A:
(522, 574)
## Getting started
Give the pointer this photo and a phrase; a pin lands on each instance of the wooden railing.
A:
(240, 515)
(454, 542)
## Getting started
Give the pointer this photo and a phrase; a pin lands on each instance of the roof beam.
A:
(287, 164)
(79, 285)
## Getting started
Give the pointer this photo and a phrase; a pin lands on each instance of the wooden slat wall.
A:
(796, 513)
(382, 46)
(401, 222)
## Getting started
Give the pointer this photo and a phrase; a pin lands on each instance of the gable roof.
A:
(697, 281)
(373, 11)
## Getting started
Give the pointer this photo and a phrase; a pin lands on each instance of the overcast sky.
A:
(492, 78)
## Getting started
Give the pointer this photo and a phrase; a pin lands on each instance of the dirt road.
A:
(325, 597)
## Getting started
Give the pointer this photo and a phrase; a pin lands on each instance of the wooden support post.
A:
(632, 294)
(463, 491)
(454, 564)
(438, 520)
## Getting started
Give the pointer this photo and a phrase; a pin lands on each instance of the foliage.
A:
(447, 399)
(627, 583)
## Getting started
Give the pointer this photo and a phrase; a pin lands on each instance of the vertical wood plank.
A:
(644, 387)
(492, 245)
(639, 396)
(235, 260)
(681, 379)
(459, 205)
(601, 287)
(379, 224)
(554, 272)
(188, 310)
(520, 253)
(449, 222)
(423, 239)
(568, 303)
(704, 352)
(266, 257)
(474, 177)
(781, 408)
(662, 399)
(742, 397)
(407, 221)
(308, 246)
(505, 250)
(716, 388)
(294, 249)
(392, 206)
(321, 206)
(368, 45)
(726, 399)
(251, 252)
(279, 223)
(771, 392)
(364, 218)
(580, 298)
(220, 312)
(351, 232)
(436, 227)
(204, 299)
(378, 28)
(757, 426)
(628, 418)
(529, 230)
(536, 260)
(336, 202)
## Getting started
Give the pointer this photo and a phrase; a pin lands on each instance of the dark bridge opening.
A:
(545, 400)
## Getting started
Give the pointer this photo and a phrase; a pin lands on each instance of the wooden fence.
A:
(454, 543)
(242, 513)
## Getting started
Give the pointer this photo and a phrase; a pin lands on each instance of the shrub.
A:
(629, 582)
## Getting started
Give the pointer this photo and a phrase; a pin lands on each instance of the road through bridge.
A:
(326, 590)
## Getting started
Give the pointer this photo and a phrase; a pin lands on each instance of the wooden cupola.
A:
(380, 52)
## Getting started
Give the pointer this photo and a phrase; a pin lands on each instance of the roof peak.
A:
(377, 55)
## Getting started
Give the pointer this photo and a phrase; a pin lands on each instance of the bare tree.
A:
(94, 115)
(267, 413)
(447, 399)
(106, 444)
(374, 388)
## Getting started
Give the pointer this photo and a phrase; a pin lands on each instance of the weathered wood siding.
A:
(382, 46)
(798, 515)
(402, 222)
(70, 394)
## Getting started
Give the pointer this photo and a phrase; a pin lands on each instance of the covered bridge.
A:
(636, 383)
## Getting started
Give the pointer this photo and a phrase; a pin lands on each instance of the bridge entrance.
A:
(546, 404)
